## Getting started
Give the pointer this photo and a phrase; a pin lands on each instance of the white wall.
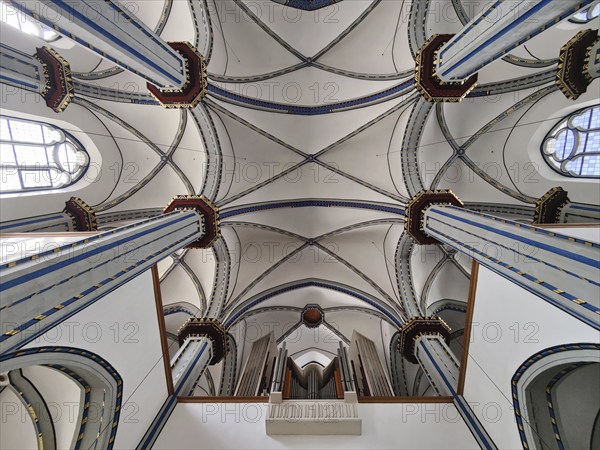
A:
(234, 425)
(95, 185)
(122, 327)
(17, 427)
(62, 396)
(510, 325)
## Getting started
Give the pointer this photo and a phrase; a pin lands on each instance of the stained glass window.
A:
(587, 15)
(572, 148)
(10, 15)
(38, 156)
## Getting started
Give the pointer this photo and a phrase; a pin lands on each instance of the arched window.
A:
(572, 148)
(38, 156)
(587, 15)
(10, 15)
(556, 397)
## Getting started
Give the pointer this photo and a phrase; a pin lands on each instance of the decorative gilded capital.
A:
(414, 222)
(58, 91)
(209, 328)
(207, 209)
(420, 326)
(196, 85)
(81, 214)
(572, 76)
(550, 205)
(431, 87)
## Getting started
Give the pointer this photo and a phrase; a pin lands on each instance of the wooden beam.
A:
(162, 329)
(468, 324)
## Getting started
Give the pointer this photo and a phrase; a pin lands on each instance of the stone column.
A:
(424, 341)
(110, 30)
(21, 70)
(498, 29)
(41, 290)
(555, 207)
(447, 64)
(77, 216)
(188, 365)
(562, 270)
(203, 342)
(45, 73)
(175, 71)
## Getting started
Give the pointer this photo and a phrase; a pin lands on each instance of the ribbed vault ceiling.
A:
(311, 140)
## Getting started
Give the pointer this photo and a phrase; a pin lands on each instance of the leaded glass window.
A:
(10, 15)
(572, 148)
(38, 156)
(587, 15)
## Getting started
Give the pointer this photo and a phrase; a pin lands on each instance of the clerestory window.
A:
(38, 156)
(572, 148)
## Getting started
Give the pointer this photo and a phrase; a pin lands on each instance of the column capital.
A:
(420, 326)
(415, 212)
(195, 86)
(70, 276)
(207, 210)
(432, 87)
(58, 90)
(209, 328)
(549, 206)
(572, 76)
(81, 214)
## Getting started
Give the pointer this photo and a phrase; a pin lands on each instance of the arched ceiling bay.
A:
(311, 140)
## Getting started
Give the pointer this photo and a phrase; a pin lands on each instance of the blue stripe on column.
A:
(501, 33)
(188, 371)
(103, 32)
(19, 83)
(559, 251)
(475, 426)
(584, 208)
(107, 280)
(89, 239)
(468, 28)
(437, 367)
(494, 268)
(525, 256)
(450, 388)
(46, 270)
(22, 63)
(29, 222)
(158, 423)
(41, 330)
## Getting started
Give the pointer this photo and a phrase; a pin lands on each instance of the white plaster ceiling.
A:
(258, 145)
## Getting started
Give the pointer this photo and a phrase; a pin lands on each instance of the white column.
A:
(39, 291)
(500, 28)
(438, 363)
(48, 223)
(21, 70)
(562, 270)
(579, 213)
(111, 31)
(189, 363)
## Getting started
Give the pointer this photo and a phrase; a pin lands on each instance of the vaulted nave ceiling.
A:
(310, 141)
